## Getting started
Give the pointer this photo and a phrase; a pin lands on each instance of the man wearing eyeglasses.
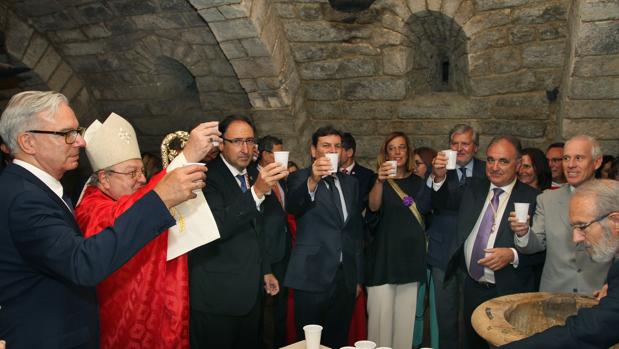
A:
(227, 276)
(567, 267)
(554, 155)
(145, 303)
(594, 221)
(47, 269)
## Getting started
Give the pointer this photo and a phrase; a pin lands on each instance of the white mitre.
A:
(111, 142)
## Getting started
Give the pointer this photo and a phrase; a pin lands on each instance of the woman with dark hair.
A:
(396, 253)
(604, 169)
(423, 161)
(534, 170)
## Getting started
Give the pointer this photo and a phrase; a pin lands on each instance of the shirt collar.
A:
(233, 169)
(349, 168)
(507, 189)
(45, 177)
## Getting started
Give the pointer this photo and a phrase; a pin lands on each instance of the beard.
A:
(604, 250)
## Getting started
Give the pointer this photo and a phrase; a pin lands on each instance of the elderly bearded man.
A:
(144, 304)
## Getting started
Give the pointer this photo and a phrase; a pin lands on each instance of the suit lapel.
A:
(347, 191)
(563, 201)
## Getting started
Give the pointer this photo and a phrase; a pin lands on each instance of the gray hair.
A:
(464, 128)
(22, 112)
(605, 194)
(514, 141)
(596, 149)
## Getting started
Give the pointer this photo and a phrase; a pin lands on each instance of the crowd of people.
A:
(296, 246)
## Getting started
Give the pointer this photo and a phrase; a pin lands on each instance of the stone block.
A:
(322, 90)
(524, 129)
(211, 15)
(47, 64)
(486, 20)
(70, 35)
(234, 29)
(321, 31)
(515, 106)
(520, 81)
(553, 31)
(158, 21)
(385, 37)
(398, 7)
(96, 31)
(485, 5)
(324, 110)
(233, 49)
(598, 38)
(544, 55)
(175, 5)
(546, 11)
(434, 5)
(592, 109)
(490, 38)
(337, 69)
(34, 52)
(285, 10)
(255, 47)
(73, 86)
(306, 52)
(95, 12)
(591, 66)
(599, 10)
(417, 6)
(310, 12)
(521, 34)
(119, 26)
(394, 23)
(595, 88)
(201, 35)
(450, 7)
(133, 8)
(254, 67)
(234, 11)
(371, 110)
(601, 129)
(17, 38)
(465, 12)
(60, 77)
(438, 105)
(221, 67)
(397, 60)
(375, 89)
(496, 61)
(201, 4)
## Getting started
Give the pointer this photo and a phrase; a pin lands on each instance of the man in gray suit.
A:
(568, 268)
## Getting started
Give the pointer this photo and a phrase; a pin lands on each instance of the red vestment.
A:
(145, 303)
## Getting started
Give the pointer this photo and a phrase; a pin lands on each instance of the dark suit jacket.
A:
(591, 328)
(445, 206)
(509, 279)
(322, 235)
(225, 276)
(366, 178)
(48, 270)
(274, 228)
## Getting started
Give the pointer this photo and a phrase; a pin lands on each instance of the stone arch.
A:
(43, 68)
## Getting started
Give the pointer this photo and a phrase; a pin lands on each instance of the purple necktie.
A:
(481, 241)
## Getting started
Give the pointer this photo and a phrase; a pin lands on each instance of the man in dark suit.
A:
(484, 244)
(226, 276)
(325, 268)
(594, 218)
(277, 243)
(349, 166)
(47, 269)
(446, 199)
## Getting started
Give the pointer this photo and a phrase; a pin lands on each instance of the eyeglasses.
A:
(240, 141)
(134, 174)
(554, 160)
(583, 226)
(69, 135)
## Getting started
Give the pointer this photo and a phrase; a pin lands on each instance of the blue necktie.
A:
(463, 177)
(485, 229)
(241, 178)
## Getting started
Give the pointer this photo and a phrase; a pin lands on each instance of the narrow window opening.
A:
(445, 71)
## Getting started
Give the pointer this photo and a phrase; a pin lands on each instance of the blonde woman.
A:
(396, 255)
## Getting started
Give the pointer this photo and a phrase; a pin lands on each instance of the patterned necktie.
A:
(241, 178)
(463, 177)
(481, 241)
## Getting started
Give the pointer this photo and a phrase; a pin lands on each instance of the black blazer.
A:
(274, 228)
(322, 235)
(225, 276)
(445, 206)
(509, 279)
(48, 270)
(591, 328)
(366, 178)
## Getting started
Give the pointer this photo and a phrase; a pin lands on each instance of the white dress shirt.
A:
(235, 173)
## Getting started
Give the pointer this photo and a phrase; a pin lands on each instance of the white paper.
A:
(195, 224)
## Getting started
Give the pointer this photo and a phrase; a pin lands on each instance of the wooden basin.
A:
(505, 319)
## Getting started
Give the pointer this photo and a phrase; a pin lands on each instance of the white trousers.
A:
(391, 315)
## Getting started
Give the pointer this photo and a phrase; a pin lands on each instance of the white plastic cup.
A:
(394, 167)
(334, 158)
(365, 345)
(195, 163)
(452, 156)
(522, 211)
(281, 157)
(312, 336)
